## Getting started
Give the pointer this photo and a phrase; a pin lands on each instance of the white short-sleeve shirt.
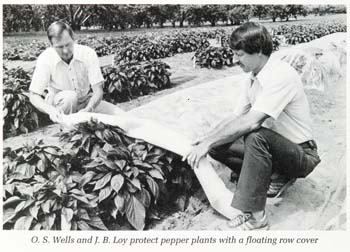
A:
(52, 73)
(277, 91)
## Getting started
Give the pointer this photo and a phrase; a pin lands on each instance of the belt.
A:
(309, 144)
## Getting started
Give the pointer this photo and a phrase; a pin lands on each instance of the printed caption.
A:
(191, 240)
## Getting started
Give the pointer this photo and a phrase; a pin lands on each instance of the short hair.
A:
(252, 38)
(56, 29)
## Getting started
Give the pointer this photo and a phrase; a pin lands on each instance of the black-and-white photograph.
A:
(174, 117)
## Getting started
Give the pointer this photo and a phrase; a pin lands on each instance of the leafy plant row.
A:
(295, 34)
(19, 114)
(214, 57)
(123, 82)
(157, 45)
(129, 80)
(98, 179)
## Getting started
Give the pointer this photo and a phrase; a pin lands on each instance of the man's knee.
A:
(66, 101)
(255, 139)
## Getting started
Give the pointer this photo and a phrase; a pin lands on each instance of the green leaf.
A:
(9, 188)
(135, 213)
(117, 182)
(119, 202)
(82, 225)
(37, 226)
(136, 183)
(23, 223)
(51, 151)
(25, 189)
(8, 215)
(153, 186)
(144, 197)
(46, 206)
(155, 174)
(98, 133)
(87, 177)
(4, 112)
(66, 218)
(110, 164)
(83, 214)
(103, 181)
(104, 193)
(121, 163)
(86, 145)
(10, 201)
(40, 165)
(97, 223)
(81, 198)
(93, 164)
(25, 169)
(50, 220)
(34, 211)
(20, 206)
(16, 123)
(76, 137)
(94, 152)
(142, 164)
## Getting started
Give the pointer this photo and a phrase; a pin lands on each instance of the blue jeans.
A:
(261, 153)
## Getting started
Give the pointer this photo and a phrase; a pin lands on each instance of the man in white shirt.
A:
(67, 72)
(272, 117)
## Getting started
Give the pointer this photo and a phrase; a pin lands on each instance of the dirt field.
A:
(308, 204)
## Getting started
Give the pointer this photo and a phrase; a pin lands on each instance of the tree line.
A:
(35, 17)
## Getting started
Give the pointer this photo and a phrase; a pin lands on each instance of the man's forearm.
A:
(222, 125)
(232, 129)
(40, 103)
(95, 100)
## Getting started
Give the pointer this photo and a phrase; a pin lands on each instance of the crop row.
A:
(122, 83)
(155, 45)
(295, 34)
(95, 178)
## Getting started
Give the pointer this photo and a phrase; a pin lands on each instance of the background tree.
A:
(212, 13)
(195, 15)
(260, 11)
(239, 14)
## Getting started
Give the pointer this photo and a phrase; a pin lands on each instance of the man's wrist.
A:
(89, 108)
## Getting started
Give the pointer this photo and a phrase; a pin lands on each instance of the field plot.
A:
(144, 187)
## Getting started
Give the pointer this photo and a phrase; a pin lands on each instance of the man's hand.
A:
(55, 115)
(199, 150)
(87, 109)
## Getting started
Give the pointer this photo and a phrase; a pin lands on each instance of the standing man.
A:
(67, 72)
(272, 117)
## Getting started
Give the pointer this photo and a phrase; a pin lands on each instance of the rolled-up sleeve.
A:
(94, 71)
(41, 76)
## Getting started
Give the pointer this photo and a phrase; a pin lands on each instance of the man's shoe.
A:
(247, 222)
(279, 185)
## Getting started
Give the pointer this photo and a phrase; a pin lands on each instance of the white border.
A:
(329, 240)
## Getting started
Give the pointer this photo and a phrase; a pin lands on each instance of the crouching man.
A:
(64, 76)
(272, 118)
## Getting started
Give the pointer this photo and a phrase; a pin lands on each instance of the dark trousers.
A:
(261, 153)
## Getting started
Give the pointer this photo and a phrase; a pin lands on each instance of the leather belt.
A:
(309, 144)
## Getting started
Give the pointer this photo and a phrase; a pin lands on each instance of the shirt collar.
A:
(264, 72)
(77, 55)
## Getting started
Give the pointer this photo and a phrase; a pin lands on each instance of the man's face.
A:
(248, 62)
(64, 46)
